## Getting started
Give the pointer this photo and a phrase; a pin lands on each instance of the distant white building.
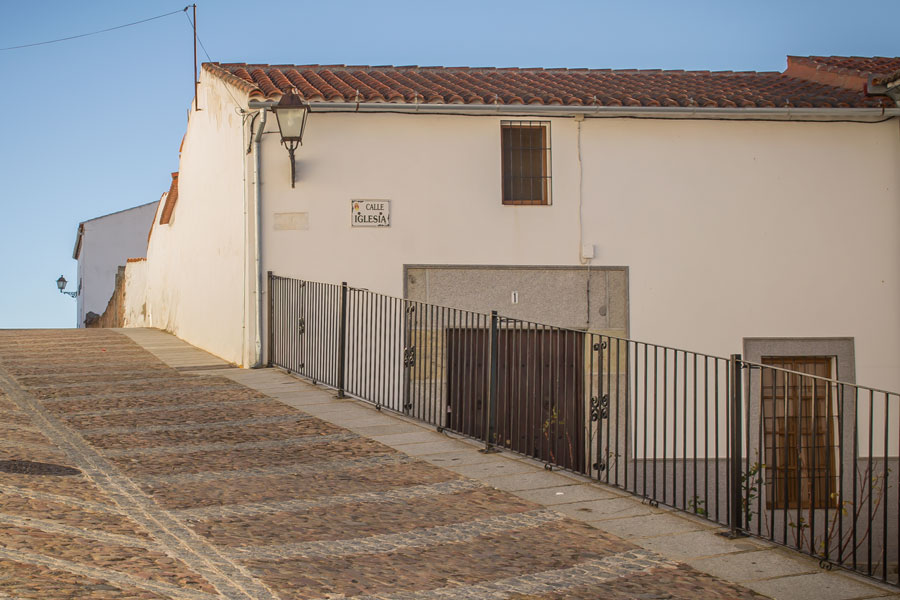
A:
(102, 245)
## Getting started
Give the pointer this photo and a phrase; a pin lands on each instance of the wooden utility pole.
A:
(196, 82)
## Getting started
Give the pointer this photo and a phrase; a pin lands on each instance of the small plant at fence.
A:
(751, 481)
(607, 462)
(840, 543)
(551, 420)
(698, 506)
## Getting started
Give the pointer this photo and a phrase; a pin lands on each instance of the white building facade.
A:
(707, 226)
(102, 245)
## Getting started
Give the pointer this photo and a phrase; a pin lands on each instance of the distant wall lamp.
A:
(61, 284)
(291, 113)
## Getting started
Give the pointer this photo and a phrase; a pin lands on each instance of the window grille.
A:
(525, 149)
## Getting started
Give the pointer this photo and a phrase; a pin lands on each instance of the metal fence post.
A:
(271, 321)
(735, 515)
(342, 342)
(494, 384)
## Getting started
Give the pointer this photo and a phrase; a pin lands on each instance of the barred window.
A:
(525, 149)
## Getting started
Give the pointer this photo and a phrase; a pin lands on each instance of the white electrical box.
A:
(587, 251)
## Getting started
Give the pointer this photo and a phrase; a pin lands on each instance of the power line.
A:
(208, 57)
(81, 35)
(188, 17)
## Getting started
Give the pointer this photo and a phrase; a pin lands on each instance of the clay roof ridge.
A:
(862, 65)
(345, 67)
(116, 212)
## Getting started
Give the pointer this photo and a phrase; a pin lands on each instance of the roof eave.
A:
(76, 251)
(862, 115)
(243, 88)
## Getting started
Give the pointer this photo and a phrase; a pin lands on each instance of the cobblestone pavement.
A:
(195, 487)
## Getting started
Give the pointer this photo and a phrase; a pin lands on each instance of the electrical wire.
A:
(581, 257)
(81, 35)
(199, 41)
(208, 57)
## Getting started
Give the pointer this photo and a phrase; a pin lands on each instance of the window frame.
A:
(508, 181)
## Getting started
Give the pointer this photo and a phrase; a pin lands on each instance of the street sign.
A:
(370, 213)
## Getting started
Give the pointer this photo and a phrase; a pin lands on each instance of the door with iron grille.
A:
(540, 391)
(468, 373)
(799, 419)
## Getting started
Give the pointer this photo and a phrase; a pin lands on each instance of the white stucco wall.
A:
(195, 264)
(107, 242)
(136, 314)
(729, 229)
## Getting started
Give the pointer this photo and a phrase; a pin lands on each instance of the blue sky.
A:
(93, 125)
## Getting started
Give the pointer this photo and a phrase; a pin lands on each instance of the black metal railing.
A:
(820, 467)
(777, 450)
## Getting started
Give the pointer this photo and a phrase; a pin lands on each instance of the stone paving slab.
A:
(814, 586)
(605, 509)
(394, 439)
(376, 431)
(755, 565)
(652, 525)
(697, 544)
(468, 456)
(566, 494)
(490, 469)
(426, 448)
(527, 481)
(169, 505)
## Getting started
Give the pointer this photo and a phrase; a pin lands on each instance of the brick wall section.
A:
(114, 315)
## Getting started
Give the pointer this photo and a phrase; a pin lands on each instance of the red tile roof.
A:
(846, 71)
(513, 86)
(171, 199)
(873, 65)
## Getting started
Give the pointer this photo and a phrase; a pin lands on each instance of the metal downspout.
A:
(246, 249)
(257, 242)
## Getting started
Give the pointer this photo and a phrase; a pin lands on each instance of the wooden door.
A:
(468, 374)
(540, 391)
(799, 422)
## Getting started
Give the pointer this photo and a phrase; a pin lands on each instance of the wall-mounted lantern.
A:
(291, 113)
(61, 284)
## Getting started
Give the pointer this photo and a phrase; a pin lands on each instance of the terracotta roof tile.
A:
(851, 72)
(870, 65)
(808, 82)
(171, 199)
